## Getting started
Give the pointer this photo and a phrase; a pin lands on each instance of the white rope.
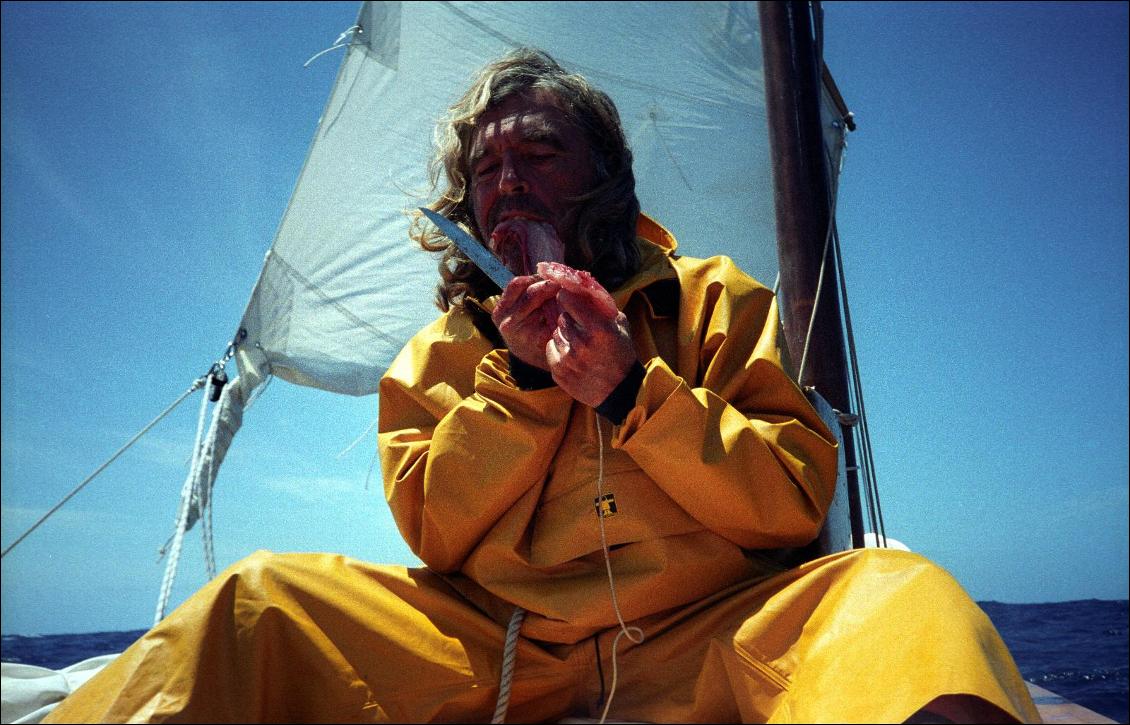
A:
(372, 459)
(372, 467)
(337, 44)
(204, 484)
(193, 388)
(359, 438)
(625, 631)
(182, 514)
(509, 655)
(209, 548)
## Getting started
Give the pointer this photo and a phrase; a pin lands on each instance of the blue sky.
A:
(149, 152)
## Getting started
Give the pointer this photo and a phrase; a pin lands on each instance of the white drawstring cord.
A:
(635, 634)
(625, 631)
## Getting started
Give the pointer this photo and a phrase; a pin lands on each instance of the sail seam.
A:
(345, 311)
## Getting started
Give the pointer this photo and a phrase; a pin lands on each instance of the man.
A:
(593, 466)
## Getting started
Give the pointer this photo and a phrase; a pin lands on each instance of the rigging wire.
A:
(857, 384)
(866, 464)
(819, 287)
(196, 385)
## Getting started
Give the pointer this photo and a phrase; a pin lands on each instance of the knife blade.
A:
(480, 255)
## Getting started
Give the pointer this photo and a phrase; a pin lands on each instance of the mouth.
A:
(522, 240)
(515, 214)
(510, 241)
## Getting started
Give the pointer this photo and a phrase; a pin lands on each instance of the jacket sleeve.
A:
(732, 439)
(459, 442)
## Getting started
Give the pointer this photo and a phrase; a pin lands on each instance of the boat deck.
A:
(1056, 709)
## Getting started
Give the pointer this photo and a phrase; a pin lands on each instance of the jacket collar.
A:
(657, 249)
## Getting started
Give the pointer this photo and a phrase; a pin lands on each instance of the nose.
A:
(511, 180)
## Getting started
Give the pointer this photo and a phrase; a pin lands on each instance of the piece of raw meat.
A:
(580, 282)
(522, 243)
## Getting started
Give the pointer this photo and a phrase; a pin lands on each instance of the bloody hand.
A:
(526, 316)
(591, 349)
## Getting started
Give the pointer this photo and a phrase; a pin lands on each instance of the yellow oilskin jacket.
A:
(720, 456)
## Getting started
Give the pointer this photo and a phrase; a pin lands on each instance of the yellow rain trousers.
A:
(864, 636)
(720, 462)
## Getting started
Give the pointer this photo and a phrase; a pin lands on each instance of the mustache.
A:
(520, 202)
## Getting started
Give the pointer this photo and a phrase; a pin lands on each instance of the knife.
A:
(480, 255)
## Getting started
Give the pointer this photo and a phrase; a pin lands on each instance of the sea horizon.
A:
(146, 628)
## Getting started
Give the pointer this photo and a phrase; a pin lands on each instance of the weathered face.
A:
(528, 160)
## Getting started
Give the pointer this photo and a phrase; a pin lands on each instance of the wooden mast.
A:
(793, 74)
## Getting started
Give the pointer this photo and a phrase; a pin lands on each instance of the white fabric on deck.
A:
(30, 692)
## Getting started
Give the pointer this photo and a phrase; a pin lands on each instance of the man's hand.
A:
(589, 352)
(526, 316)
(569, 326)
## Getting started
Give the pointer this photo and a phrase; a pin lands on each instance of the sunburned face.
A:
(527, 162)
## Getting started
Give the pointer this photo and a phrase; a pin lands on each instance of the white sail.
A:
(343, 288)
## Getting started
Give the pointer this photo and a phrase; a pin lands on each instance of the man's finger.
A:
(541, 292)
(523, 296)
(572, 329)
(553, 352)
(513, 291)
(583, 308)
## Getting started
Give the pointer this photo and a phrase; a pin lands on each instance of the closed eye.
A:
(486, 167)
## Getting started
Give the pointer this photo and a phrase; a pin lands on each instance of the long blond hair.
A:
(605, 216)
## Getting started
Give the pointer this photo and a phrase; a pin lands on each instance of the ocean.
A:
(1078, 650)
